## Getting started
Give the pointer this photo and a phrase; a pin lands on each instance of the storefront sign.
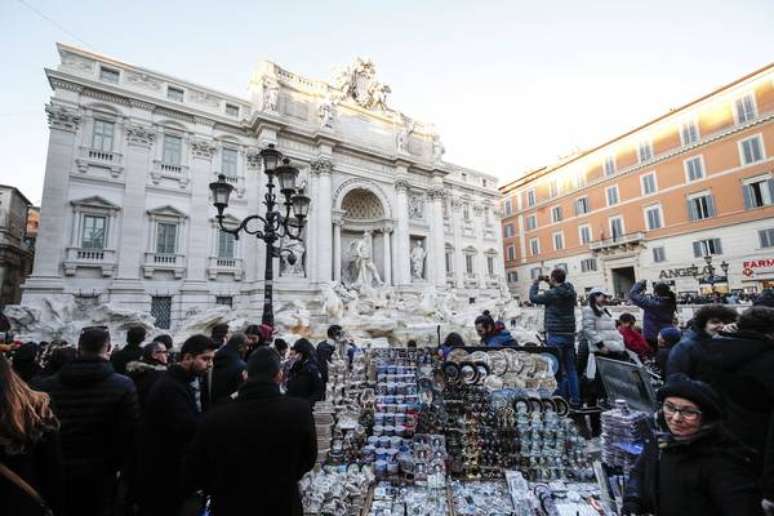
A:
(682, 272)
(629, 382)
(751, 267)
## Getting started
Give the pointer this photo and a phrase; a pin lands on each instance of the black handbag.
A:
(24, 486)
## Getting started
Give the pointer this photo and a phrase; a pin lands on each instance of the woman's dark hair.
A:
(55, 356)
(218, 334)
(663, 290)
(454, 340)
(280, 345)
(627, 318)
(485, 320)
(253, 330)
(237, 341)
(149, 349)
(758, 319)
(306, 349)
(135, 335)
(559, 275)
(593, 304)
(705, 313)
(164, 339)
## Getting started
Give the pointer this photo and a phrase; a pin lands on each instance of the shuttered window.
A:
(710, 246)
(701, 207)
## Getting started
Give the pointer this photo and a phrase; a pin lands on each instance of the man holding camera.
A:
(559, 324)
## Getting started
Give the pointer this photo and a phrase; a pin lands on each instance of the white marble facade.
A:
(127, 218)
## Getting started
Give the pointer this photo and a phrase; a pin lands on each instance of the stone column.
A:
(337, 251)
(323, 167)
(387, 255)
(458, 257)
(436, 261)
(402, 237)
(52, 235)
(249, 246)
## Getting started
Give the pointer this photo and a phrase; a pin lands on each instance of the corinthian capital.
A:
(321, 166)
(437, 193)
(402, 184)
(60, 117)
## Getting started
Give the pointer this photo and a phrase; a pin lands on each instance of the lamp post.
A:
(273, 225)
(710, 270)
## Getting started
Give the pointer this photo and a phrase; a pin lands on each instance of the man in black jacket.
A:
(99, 413)
(559, 324)
(131, 352)
(228, 367)
(740, 367)
(263, 441)
(169, 422)
(326, 349)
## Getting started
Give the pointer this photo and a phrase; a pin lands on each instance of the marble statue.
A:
(416, 206)
(358, 82)
(438, 148)
(326, 113)
(270, 97)
(417, 258)
(364, 273)
(403, 136)
(297, 267)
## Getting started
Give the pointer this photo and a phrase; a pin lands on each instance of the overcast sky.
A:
(509, 84)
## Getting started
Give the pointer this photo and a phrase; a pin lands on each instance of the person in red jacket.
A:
(633, 340)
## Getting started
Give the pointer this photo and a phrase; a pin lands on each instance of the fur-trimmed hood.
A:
(140, 367)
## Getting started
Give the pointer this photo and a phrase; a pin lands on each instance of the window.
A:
(507, 207)
(701, 206)
(610, 165)
(585, 234)
(751, 150)
(226, 243)
(534, 246)
(612, 195)
(745, 109)
(490, 268)
(556, 214)
(553, 188)
(449, 261)
(531, 198)
(766, 237)
(758, 192)
(466, 211)
(508, 231)
(531, 222)
(535, 272)
(616, 228)
(173, 150)
(225, 301)
(648, 183)
(166, 238)
(513, 277)
(483, 183)
(580, 180)
(102, 138)
(707, 247)
(94, 232)
(511, 253)
(645, 152)
(689, 133)
(582, 205)
(558, 241)
(108, 75)
(588, 264)
(175, 94)
(659, 254)
(228, 163)
(232, 110)
(653, 217)
(694, 169)
(161, 309)
(469, 263)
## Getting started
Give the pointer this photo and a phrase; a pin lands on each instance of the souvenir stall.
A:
(404, 432)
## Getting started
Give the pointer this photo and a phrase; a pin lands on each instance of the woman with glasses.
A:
(692, 466)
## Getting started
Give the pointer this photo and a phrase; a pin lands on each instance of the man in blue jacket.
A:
(559, 324)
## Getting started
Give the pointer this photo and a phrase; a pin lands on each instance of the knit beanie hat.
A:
(671, 335)
(681, 386)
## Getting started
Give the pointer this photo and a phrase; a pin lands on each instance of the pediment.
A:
(97, 202)
(167, 211)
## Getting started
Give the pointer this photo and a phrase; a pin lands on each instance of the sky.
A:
(510, 85)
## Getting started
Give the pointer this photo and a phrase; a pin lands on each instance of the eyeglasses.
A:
(688, 413)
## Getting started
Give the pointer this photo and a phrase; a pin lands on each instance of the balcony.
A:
(171, 171)
(231, 266)
(493, 281)
(170, 168)
(78, 257)
(164, 262)
(110, 160)
(470, 280)
(627, 242)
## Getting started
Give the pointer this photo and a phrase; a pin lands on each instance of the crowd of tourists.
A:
(149, 429)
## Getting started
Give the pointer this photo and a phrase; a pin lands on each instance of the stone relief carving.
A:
(327, 113)
(253, 157)
(295, 269)
(416, 206)
(77, 62)
(141, 135)
(200, 97)
(203, 149)
(417, 259)
(358, 82)
(60, 117)
(143, 80)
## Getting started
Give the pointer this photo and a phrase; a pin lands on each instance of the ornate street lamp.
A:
(274, 225)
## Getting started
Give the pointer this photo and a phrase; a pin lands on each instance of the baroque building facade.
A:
(16, 248)
(671, 200)
(127, 218)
